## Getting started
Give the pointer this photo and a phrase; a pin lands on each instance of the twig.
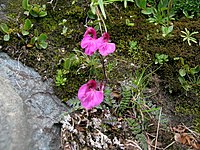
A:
(158, 128)
(169, 145)
(193, 132)
(134, 144)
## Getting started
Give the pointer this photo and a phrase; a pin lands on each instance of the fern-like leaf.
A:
(74, 104)
(125, 101)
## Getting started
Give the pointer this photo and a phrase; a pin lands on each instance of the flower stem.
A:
(104, 70)
(101, 57)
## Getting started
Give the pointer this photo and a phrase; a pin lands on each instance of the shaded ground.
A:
(164, 84)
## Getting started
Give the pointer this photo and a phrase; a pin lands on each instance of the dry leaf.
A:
(116, 94)
(187, 139)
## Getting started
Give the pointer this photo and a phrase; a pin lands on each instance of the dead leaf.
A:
(187, 139)
(115, 94)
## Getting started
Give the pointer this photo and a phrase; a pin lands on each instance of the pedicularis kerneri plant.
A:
(91, 94)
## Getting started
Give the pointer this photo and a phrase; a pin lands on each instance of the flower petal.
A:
(93, 99)
(89, 96)
(89, 44)
(107, 48)
(81, 92)
(91, 31)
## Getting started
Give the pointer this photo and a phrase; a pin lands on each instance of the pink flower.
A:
(89, 94)
(105, 48)
(89, 43)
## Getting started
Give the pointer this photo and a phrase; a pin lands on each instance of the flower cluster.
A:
(91, 94)
(91, 44)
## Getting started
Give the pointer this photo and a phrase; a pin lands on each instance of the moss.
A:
(190, 106)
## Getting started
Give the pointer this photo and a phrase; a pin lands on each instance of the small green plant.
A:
(162, 14)
(34, 10)
(189, 76)
(74, 104)
(26, 27)
(134, 49)
(72, 61)
(166, 30)
(38, 40)
(133, 45)
(129, 23)
(60, 79)
(161, 58)
(188, 36)
(6, 30)
(65, 31)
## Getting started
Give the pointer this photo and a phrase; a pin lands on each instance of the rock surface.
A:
(29, 111)
(3, 9)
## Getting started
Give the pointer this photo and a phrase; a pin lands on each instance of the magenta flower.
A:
(89, 43)
(90, 94)
(105, 48)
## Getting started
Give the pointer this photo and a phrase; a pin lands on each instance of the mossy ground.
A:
(171, 97)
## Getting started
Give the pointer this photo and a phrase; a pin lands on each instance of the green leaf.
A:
(36, 32)
(25, 4)
(195, 70)
(125, 3)
(27, 25)
(67, 64)
(147, 11)
(33, 40)
(170, 28)
(64, 31)
(91, 15)
(182, 72)
(42, 14)
(100, 2)
(141, 3)
(4, 28)
(181, 80)
(33, 13)
(194, 33)
(24, 32)
(93, 8)
(182, 61)
(128, 23)
(162, 4)
(176, 58)
(43, 45)
(6, 37)
(42, 37)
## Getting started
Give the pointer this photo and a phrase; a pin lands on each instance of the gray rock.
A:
(29, 110)
(3, 7)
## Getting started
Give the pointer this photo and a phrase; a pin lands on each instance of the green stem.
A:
(101, 57)
(104, 70)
